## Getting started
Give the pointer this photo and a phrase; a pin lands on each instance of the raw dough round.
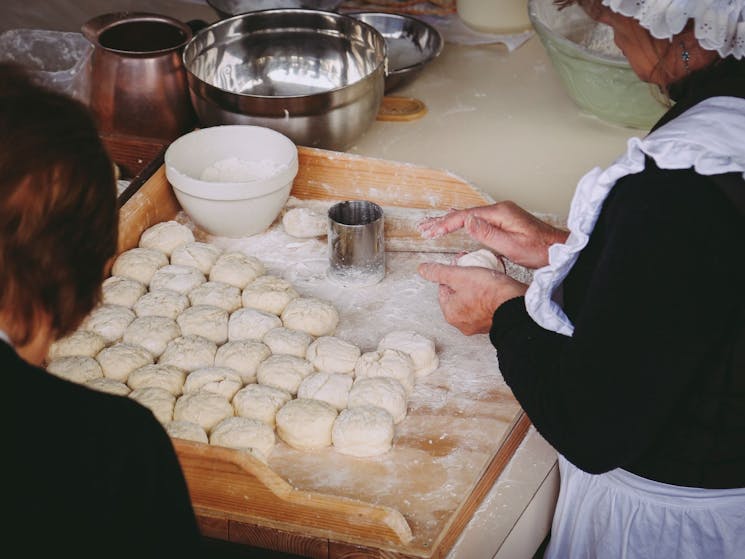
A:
(119, 290)
(119, 360)
(482, 258)
(75, 368)
(269, 294)
(217, 294)
(161, 302)
(187, 430)
(236, 268)
(285, 372)
(110, 386)
(200, 255)
(157, 400)
(220, 380)
(158, 375)
(244, 433)
(383, 392)
(250, 324)
(332, 388)
(420, 348)
(332, 354)
(243, 356)
(309, 314)
(260, 401)
(389, 363)
(139, 264)
(189, 353)
(363, 431)
(181, 279)
(205, 320)
(166, 236)
(305, 222)
(286, 340)
(80, 342)
(206, 409)
(306, 424)
(109, 321)
(153, 333)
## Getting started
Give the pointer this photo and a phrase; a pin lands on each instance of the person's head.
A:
(58, 210)
(665, 42)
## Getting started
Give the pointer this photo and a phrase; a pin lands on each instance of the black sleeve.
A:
(656, 300)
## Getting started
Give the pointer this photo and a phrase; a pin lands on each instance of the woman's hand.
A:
(469, 295)
(505, 228)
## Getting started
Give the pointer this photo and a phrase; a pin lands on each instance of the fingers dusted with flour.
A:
(469, 295)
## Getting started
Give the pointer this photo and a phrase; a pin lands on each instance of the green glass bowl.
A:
(600, 84)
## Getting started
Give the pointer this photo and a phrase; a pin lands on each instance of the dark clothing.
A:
(92, 474)
(653, 378)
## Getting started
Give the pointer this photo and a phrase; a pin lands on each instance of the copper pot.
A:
(138, 81)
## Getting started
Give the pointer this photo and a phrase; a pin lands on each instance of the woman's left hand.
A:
(469, 295)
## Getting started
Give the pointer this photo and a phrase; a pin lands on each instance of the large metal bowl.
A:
(317, 77)
(412, 44)
(230, 8)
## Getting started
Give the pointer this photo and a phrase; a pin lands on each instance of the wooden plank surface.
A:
(463, 423)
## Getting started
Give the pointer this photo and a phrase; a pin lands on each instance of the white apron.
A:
(618, 514)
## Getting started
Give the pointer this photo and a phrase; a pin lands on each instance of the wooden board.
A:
(463, 425)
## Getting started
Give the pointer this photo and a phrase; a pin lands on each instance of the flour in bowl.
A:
(234, 169)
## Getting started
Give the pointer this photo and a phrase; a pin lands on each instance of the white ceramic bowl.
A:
(232, 180)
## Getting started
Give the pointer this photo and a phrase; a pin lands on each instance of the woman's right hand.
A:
(505, 228)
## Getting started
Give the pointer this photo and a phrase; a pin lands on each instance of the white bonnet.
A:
(719, 24)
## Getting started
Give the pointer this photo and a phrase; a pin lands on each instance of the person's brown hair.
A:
(58, 210)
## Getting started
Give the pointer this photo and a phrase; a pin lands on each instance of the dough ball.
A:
(189, 353)
(206, 321)
(482, 258)
(217, 294)
(250, 324)
(383, 392)
(309, 314)
(286, 340)
(420, 348)
(260, 401)
(110, 386)
(332, 388)
(119, 360)
(285, 372)
(220, 380)
(80, 342)
(75, 368)
(139, 264)
(389, 363)
(153, 333)
(332, 354)
(186, 430)
(166, 236)
(305, 222)
(206, 409)
(244, 433)
(119, 290)
(236, 268)
(306, 424)
(158, 375)
(201, 256)
(269, 294)
(157, 400)
(161, 302)
(363, 431)
(243, 356)
(180, 279)
(109, 321)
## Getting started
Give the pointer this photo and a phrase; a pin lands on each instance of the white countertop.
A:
(502, 121)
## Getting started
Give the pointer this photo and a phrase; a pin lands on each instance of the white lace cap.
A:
(719, 24)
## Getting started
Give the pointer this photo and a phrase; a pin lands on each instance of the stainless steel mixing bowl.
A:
(230, 8)
(317, 77)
